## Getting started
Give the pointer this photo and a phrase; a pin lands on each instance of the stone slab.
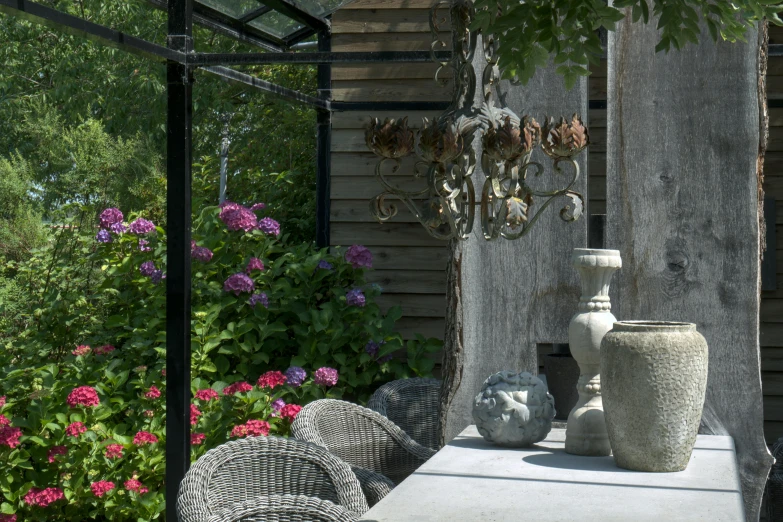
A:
(472, 480)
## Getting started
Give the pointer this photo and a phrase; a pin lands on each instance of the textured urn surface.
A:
(654, 377)
(513, 409)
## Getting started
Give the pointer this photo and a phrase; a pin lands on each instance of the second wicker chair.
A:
(379, 452)
(411, 404)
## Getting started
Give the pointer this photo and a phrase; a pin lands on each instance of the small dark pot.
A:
(562, 373)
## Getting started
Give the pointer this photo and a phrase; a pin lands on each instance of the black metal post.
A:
(323, 162)
(178, 171)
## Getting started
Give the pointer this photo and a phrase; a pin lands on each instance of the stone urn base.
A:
(654, 378)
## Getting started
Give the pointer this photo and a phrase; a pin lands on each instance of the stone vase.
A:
(586, 428)
(654, 382)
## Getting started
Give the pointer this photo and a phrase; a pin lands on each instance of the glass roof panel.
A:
(320, 7)
(276, 24)
(232, 8)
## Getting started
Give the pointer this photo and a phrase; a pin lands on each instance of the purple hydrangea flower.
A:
(118, 228)
(202, 254)
(229, 205)
(239, 283)
(278, 404)
(257, 206)
(157, 276)
(142, 226)
(103, 236)
(355, 297)
(372, 348)
(359, 257)
(326, 376)
(237, 217)
(147, 268)
(269, 226)
(110, 216)
(259, 298)
(143, 245)
(325, 265)
(295, 375)
(254, 264)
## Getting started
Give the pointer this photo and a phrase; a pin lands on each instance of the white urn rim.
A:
(653, 326)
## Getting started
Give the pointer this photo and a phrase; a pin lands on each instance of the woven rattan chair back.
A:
(244, 469)
(360, 437)
(411, 404)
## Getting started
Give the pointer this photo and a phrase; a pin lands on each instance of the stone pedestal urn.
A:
(586, 429)
(654, 381)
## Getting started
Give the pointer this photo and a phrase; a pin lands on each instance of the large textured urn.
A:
(654, 377)
(586, 429)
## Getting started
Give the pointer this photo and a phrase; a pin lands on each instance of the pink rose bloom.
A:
(254, 264)
(103, 350)
(154, 393)
(144, 437)
(207, 394)
(135, 485)
(237, 217)
(114, 451)
(197, 438)
(101, 487)
(271, 379)
(4, 421)
(10, 436)
(195, 413)
(237, 387)
(75, 429)
(43, 497)
(54, 451)
(359, 257)
(83, 396)
(82, 349)
(325, 376)
(290, 411)
(238, 283)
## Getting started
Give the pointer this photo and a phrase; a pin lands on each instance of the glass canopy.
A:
(283, 22)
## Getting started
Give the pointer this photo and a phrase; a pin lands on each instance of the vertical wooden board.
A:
(682, 208)
(515, 294)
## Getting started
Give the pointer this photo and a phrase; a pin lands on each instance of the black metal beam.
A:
(252, 15)
(179, 90)
(323, 180)
(79, 27)
(220, 17)
(319, 58)
(289, 9)
(279, 90)
(297, 36)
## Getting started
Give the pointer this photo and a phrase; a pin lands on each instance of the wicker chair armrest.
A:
(375, 485)
(288, 508)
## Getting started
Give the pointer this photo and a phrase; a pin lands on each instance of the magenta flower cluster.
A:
(254, 264)
(237, 217)
(325, 376)
(110, 216)
(239, 283)
(355, 297)
(269, 226)
(200, 253)
(147, 268)
(142, 226)
(83, 396)
(359, 256)
(259, 298)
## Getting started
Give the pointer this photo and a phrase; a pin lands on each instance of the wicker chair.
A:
(379, 452)
(411, 404)
(266, 478)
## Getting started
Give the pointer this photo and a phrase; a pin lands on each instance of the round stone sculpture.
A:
(513, 409)
(654, 377)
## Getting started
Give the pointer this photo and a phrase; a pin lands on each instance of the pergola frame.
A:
(181, 61)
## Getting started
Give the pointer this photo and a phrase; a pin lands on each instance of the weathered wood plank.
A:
(413, 282)
(386, 234)
(771, 334)
(382, 5)
(773, 408)
(505, 297)
(771, 361)
(366, 188)
(772, 309)
(408, 327)
(423, 259)
(389, 90)
(358, 211)
(399, 20)
(384, 42)
(389, 71)
(772, 383)
(773, 431)
(687, 257)
(415, 305)
(359, 120)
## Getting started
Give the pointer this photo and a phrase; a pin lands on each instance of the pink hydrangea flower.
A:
(271, 380)
(82, 349)
(269, 226)
(237, 217)
(257, 206)
(290, 411)
(195, 413)
(101, 487)
(144, 437)
(135, 485)
(43, 497)
(238, 283)
(75, 429)
(7, 518)
(259, 298)
(154, 392)
(229, 205)
(147, 268)
(254, 264)
(202, 254)
(83, 396)
(325, 376)
(148, 413)
(4, 421)
(207, 394)
(54, 452)
(105, 349)
(359, 257)
(2, 401)
(252, 428)
(114, 451)
(143, 245)
(237, 387)
(142, 226)
(197, 438)
(110, 216)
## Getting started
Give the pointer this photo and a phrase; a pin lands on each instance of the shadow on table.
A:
(558, 458)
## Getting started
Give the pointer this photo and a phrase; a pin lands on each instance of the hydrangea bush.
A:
(82, 430)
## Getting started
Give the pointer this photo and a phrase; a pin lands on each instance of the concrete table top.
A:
(472, 480)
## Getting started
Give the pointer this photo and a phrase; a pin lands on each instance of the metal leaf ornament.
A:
(391, 139)
(565, 139)
(439, 141)
(517, 211)
(509, 140)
